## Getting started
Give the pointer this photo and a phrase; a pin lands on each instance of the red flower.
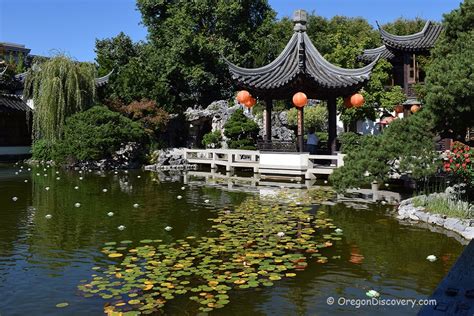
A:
(455, 151)
(464, 166)
(457, 165)
(468, 160)
(466, 155)
(451, 160)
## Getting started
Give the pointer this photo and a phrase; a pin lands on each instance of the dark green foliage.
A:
(241, 131)
(8, 83)
(350, 142)
(450, 75)
(42, 150)
(405, 147)
(402, 26)
(181, 64)
(95, 134)
(367, 162)
(212, 139)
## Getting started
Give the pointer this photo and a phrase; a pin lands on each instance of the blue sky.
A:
(71, 26)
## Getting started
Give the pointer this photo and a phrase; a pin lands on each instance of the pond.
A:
(43, 259)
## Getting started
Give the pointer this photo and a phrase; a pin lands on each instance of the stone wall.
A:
(408, 212)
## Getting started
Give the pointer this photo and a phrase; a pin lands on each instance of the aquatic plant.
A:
(244, 249)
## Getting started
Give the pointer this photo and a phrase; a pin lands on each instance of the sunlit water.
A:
(42, 261)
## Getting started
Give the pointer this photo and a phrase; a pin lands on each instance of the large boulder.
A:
(280, 130)
(128, 156)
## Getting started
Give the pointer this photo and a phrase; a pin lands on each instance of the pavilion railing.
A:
(277, 145)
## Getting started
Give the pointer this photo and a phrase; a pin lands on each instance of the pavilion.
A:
(403, 52)
(301, 68)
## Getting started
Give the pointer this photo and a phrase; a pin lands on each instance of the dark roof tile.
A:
(11, 103)
(300, 67)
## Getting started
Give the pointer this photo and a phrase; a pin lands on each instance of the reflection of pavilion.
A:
(261, 183)
(301, 68)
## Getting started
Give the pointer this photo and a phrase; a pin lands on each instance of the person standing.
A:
(312, 141)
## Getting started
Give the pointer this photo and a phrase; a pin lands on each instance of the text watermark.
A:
(377, 301)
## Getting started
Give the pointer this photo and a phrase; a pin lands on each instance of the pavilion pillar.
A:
(332, 125)
(300, 129)
(268, 120)
(406, 72)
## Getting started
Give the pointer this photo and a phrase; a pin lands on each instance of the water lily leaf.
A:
(61, 305)
(115, 255)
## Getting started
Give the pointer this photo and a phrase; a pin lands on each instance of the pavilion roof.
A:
(12, 103)
(423, 40)
(370, 55)
(300, 67)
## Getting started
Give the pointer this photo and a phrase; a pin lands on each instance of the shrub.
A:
(212, 139)
(405, 147)
(96, 134)
(241, 131)
(153, 118)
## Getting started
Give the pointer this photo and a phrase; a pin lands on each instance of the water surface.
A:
(43, 260)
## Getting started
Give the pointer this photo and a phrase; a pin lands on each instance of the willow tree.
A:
(59, 88)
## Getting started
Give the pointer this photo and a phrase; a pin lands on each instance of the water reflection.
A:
(42, 261)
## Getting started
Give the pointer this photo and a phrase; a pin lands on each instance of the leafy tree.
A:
(341, 39)
(113, 53)
(314, 116)
(405, 147)
(402, 26)
(59, 89)
(241, 131)
(212, 139)
(449, 77)
(188, 39)
(153, 118)
(96, 134)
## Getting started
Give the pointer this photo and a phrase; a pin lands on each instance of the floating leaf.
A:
(61, 305)
(115, 255)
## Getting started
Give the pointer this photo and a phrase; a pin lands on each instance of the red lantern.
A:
(250, 102)
(414, 108)
(399, 109)
(243, 96)
(357, 100)
(347, 102)
(300, 99)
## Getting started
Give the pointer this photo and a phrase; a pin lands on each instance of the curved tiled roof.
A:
(102, 81)
(11, 103)
(300, 67)
(423, 40)
(371, 54)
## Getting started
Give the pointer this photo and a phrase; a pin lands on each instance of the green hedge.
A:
(91, 135)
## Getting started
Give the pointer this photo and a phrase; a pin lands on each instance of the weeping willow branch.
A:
(60, 88)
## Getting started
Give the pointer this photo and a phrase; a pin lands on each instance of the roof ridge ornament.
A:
(300, 17)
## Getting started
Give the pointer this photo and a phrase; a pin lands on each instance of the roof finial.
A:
(300, 17)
